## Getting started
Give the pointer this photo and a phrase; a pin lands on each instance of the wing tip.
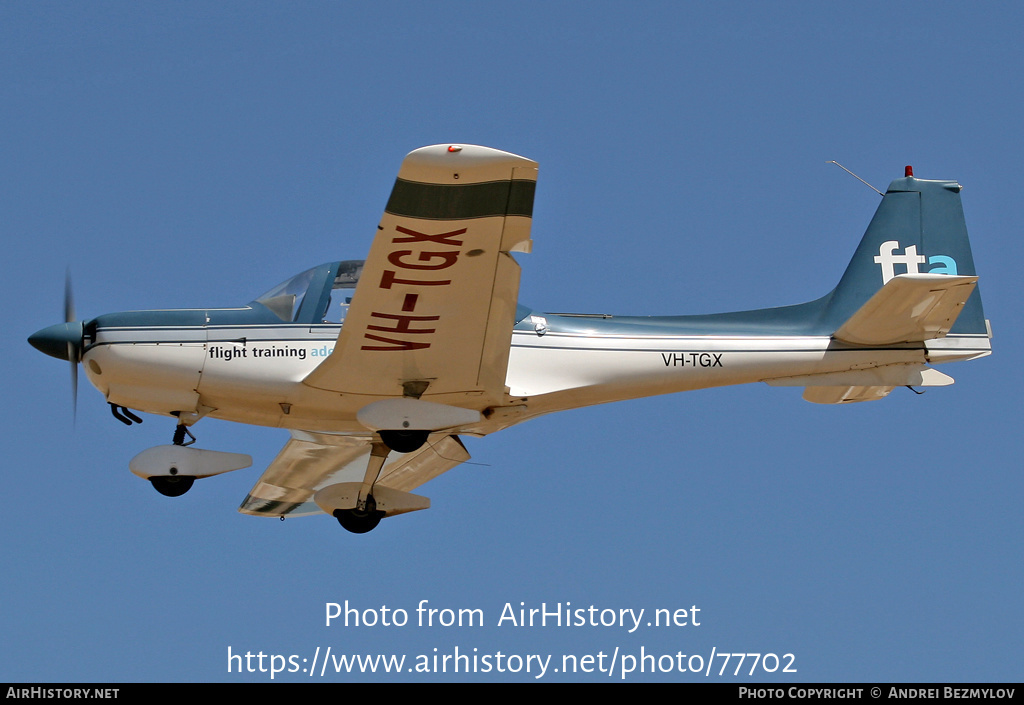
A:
(461, 156)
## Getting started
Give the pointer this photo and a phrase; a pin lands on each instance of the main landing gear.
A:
(172, 469)
(365, 516)
(359, 506)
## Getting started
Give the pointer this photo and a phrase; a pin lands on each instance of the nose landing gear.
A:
(180, 431)
(173, 484)
(173, 469)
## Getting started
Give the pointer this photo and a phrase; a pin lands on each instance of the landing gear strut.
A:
(365, 516)
(179, 435)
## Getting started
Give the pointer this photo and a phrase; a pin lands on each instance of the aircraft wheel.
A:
(360, 522)
(172, 485)
(404, 441)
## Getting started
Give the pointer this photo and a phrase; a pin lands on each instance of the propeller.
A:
(64, 341)
(74, 351)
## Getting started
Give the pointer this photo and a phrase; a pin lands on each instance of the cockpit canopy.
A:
(323, 294)
(318, 295)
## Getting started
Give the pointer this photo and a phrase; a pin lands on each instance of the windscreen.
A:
(285, 299)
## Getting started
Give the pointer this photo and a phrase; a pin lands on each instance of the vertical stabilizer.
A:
(919, 228)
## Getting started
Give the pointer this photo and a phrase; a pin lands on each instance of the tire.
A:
(172, 485)
(404, 441)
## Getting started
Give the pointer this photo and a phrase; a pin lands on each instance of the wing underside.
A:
(312, 461)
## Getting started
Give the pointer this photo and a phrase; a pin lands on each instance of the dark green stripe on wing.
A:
(462, 201)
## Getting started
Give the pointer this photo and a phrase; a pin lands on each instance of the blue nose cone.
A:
(55, 340)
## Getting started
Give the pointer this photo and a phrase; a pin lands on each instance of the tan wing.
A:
(434, 308)
(311, 461)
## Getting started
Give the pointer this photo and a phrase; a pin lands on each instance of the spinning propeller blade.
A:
(69, 298)
(74, 351)
(74, 382)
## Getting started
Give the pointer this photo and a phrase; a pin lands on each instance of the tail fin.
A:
(919, 228)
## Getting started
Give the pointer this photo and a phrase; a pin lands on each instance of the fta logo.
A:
(888, 259)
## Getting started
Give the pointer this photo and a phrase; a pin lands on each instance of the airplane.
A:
(377, 367)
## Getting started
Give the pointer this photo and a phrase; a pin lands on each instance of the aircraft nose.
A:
(55, 340)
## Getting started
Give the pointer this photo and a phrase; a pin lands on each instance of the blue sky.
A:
(195, 154)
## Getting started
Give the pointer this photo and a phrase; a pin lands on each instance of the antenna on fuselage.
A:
(833, 161)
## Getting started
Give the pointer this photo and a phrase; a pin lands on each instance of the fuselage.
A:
(412, 335)
(242, 365)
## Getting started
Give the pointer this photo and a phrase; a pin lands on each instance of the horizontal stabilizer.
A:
(864, 385)
(909, 308)
(914, 375)
(845, 395)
